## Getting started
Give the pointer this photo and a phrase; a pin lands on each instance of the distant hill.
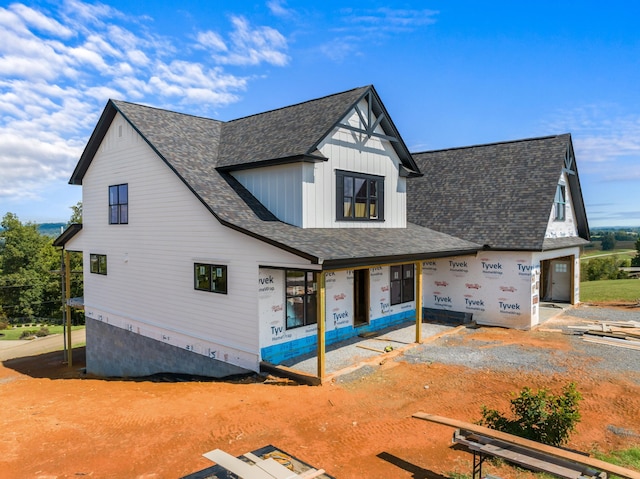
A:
(51, 229)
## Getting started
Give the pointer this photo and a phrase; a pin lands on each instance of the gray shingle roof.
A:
(498, 194)
(194, 148)
(287, 132)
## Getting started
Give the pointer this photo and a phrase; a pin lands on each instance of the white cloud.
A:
(211, 40)
(40, 21)
(358, 28)
(247, 45)
(58, 67)
(279, 9)
(606, 139)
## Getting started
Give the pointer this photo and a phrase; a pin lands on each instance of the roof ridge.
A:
(506, 142)
(298, 104)
(200, 117)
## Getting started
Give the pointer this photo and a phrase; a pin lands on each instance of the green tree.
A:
(636, 261)
(540, 416)
(28, 289)
(76, 215)
(599, 268)
(608, 242)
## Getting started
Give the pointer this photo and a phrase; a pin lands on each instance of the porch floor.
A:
(353, 353)
(349, 355)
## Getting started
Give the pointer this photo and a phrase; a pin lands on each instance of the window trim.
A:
(100, 261)
(560, 203)
(378, 196)
(120, 208)
(306, 295)
(212, 286)
(407, 276)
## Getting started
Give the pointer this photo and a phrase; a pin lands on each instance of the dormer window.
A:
(359, 197)
(560, 203)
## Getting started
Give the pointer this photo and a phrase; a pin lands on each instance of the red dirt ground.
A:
(56, 424)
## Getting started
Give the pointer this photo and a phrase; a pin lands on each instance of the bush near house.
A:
(540, 416)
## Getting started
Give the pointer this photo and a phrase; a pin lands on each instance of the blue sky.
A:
(450, 73)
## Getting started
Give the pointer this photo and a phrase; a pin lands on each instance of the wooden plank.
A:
(311, 473)
(276, 470)
(622, 343)
(235, 465)
(519, 441)
(370, 349)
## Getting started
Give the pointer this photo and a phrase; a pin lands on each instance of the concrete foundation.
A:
(115, 352)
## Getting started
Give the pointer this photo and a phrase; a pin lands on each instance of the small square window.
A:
(98, 263)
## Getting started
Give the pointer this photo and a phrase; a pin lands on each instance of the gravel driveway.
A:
(595, 359)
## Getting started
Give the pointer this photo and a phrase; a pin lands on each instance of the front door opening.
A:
(557, 279)
(360, 297)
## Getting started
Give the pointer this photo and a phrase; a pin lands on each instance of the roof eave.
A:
(304, 158)
(93, 144)
(67, 234)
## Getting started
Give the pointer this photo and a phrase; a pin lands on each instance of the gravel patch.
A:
(463, 350)
(596, 360)
(595, 313)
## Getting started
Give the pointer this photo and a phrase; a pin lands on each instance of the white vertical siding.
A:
(278, 188)
(351, 151)
(304, 194)
(150, 260)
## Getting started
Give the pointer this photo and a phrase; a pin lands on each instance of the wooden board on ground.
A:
(272, 459)
(536, 446)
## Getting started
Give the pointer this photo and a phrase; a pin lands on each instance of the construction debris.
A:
(624, 334)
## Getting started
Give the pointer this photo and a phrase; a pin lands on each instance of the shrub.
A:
(4, 325)
(539, 416)
(27, 334)
(42, 332)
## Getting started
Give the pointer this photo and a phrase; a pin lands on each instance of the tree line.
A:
(30, 278)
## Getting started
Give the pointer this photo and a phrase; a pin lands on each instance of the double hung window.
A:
(119, 204)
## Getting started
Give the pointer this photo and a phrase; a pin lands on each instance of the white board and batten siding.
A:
(149, 288)
(304, 194)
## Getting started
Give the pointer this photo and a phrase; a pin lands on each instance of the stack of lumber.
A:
(624, 334)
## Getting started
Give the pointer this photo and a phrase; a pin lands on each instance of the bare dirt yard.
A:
(58, 423)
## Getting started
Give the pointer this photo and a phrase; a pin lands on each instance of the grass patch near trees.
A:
(621, 290)
(15, 333)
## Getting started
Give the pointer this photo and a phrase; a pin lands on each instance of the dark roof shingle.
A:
(499, 195)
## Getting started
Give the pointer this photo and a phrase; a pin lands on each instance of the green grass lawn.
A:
(625, 457)
(623, 290)
(631, 253)
(14, 333)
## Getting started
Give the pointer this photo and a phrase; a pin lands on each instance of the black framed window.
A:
(302, 288)
(402, 284)
(560, 204)
(98, 263)
(210, 277)
(359, 197)
(119, 204)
